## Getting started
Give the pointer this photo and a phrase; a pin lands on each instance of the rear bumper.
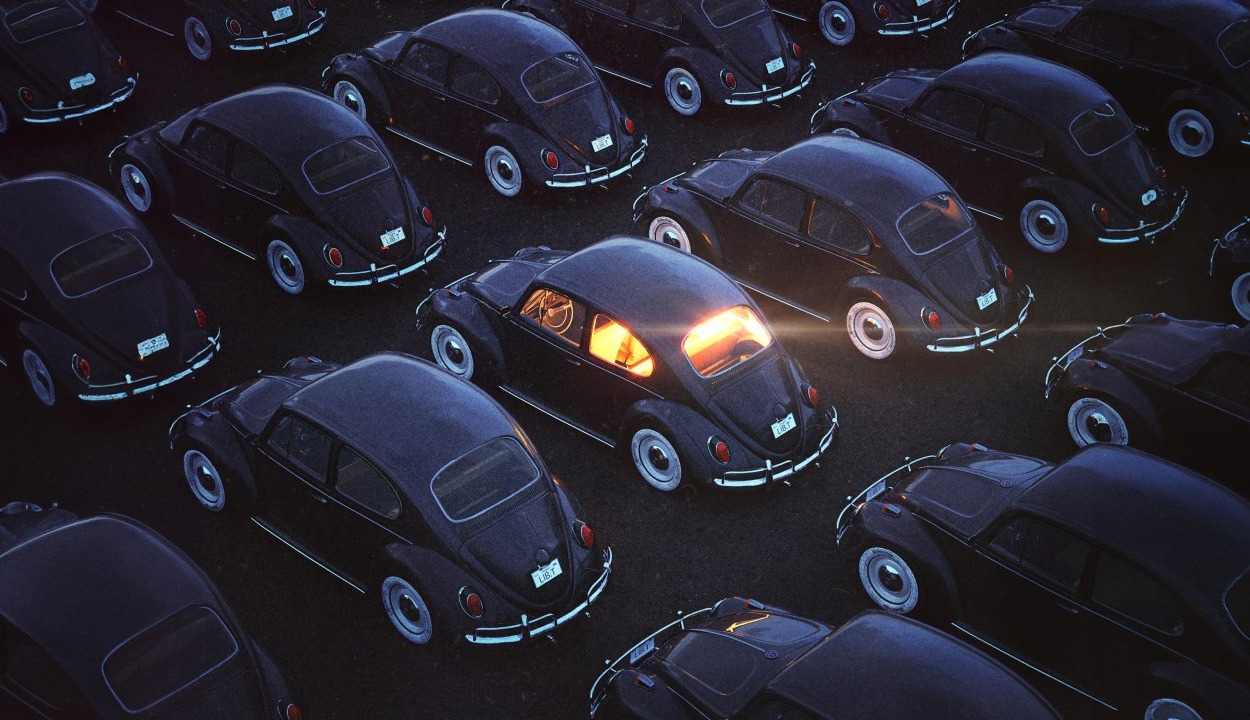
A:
(1144, 230)
(917, 25)
(267, 41)
(63, 113)
(981, 338)
(591, 176)
(139, 386)
(375, 275)
(780, 471)
(533, 627)
(759, 97)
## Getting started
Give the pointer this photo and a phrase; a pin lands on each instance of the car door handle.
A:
(1067, 607)
(573, 362)
(319, 497)
(793, 243)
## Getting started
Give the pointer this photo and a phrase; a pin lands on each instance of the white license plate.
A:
(1149, 196)
(644, 649)
(546, 573)
(988, 299)
(774, 65)
(390, 237)
(784, 425)
(283, 13)
(600, 143)
(875, 491)
(151, 345)
(922, 3)
(81, 81)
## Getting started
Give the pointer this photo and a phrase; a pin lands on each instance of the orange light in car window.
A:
(613, 342)
(725, 340)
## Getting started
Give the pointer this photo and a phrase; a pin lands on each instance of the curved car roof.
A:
(46, 213)
(1048, 91)
(506, 42)
(1199, 19)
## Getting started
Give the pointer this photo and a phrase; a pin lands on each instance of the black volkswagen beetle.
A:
(640, 346)
(55, 64)
(1020, 137)
(744, 659)
(1115, 573)
(720, 52)
(1178, 387)
(497, 88)
(207, 26)
(1230, 260)
(287, 177)
(1179, 66)
(88, 306)
(103, 618)
(838, 226)
(400, 479)
(840, 20)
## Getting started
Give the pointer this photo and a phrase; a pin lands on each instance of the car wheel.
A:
(682, 91)
(452, 351)
(503, 171)
(1093, 420)
(407, 610)
(42, 384)
(871, 330)
(1241, 295)
(837, 23)
(845, 131)
(136, 187)
(1171, 709)
(888, 579)
(199, 40)
(349, 96)
(667, 230)
(204, 479)
(1044, 225)
(285, 267)
(656, 459)
(1191, 133)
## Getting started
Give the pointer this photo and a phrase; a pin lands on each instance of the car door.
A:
(419, 95)
(942, 130)
(601, 28)
(1013, 149)
(542, 345)
(835, 247)
(654, 26)
(474, 101)
(761, 234)
(1161, 62)
(197, 170)
(619, 369)
(1097, 43)
(1210, 413)
(258, 193)
(360, 518)
(292, 478)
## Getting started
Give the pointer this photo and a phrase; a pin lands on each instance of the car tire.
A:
(1191, 132)
(1094, 420)
(837, 23)
(669, 231)
(452, 351)
(1241, 295)
(135, 183)
(656, 459)
(1045, 225)
(888, 579)
(43, 385)
(845, 131)
(407, 610)
(1170, 709)
(285, 266)
(871, 330)
(682, 90)
(503, 171)
(347, 94)
(198, 38)
(204, 479)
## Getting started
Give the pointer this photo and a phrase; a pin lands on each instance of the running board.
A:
(282, 538)
(555, 416)
(787, 303)
(636, 81)
(201, 231)
(427, 146)
(987, 213)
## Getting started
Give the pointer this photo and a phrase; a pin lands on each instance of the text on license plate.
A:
(283, 13)
(874, 491)
(784, 425)
(643, 649)
(774, 65)
(988, 299)
(390, 237)
(151, 345)
(600, 143)
(546, 573)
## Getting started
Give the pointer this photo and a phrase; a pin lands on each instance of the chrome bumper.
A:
(964, 343)
(375, 275)
(600, 684)
(760, 97)
(590, 175)
(1059, 365)
(776, 473)
(883, 483)
(138, 386)
(267, 41)
(1140, 232)
(61, 114)
(917, 25)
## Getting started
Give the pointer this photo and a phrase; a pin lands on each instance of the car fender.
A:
(910, 536)
(1099, 378)
(544, 10)
(465, 312)
(309, 239)
(55, 346)
(524, 141)
(853, 112)
(359, 69)
(705, 65)
(997, 38)
(1222, 108)
(211, 431)
(901, 300)
(684, 205)
(1213, 692)
(145, 148)
(688, 429)
(438, 578)
(1072, 196)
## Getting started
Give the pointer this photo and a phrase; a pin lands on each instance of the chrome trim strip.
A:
(412, 139)
(553, 416)
(783, 301)
(125, 93)
(803, 82)
(905, 467)
(150, 27)
(272, 531)
(201, 231)
(528, 628)
(636, 81)
(982, 340)
(637, 157)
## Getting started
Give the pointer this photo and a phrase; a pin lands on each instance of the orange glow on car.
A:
(725, 340)
(734, 627)
(613, 342)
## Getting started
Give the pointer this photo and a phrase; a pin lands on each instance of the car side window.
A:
(1128, 590)
(955, 110)
(358, 480)
(1102, 32)
(302, 445)
(208, 145)
(660, 13)
(1159, 47)
(249, 168)
(1225, 382)
(613, 343)
(782, 204)
(426, 61)
(1009, 131)
(1043, 549)
(833, 225)
(466, 78)
(556, 313)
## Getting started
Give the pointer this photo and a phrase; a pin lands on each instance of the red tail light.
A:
(883, 12)
(427, 216)
(312, 4)
(28, 97)
(82, 367)
(201, 317)
(797, 50)
(629, 126)
(333, 256)
(585, 535)
(933, 320)
(1009, 276)
(471, 602)
(813, 396)
(234, 26)
(1104, 215)
(552, 160)
(728, 78)
(121, 63)
(719, 449)
(292, 712)
(1163, 172)
(1244, 118)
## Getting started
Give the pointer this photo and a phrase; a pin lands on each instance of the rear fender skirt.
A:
(363, 72)
(212, 432)
(901, 300)
(467, 313)
(689, 430)
(1124, 394)
(913, 538)
(684, 205)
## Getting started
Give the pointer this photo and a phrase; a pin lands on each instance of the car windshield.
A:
(725, 340)
(483, 478)
(1234, 43)
(41, 19)
(723, 13)
(99, 262)
(555, 77)
(1098, 128)
(1237, 601)
(933, 223)
(168, 657)
(344, 163)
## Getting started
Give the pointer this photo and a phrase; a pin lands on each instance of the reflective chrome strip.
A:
(201, 231)
(427, 146)
(47, 120)
(1149, 233)
(985, 212)
(785, 302)
(265, 526)
(636, 158)
(636, 81)
(982, 340)
(769, 475)
(526, 629)
(426, 259)
(320, 23)
(789, 15)
(804, 82)
(214, 345)
(150, 27)
(553, 416)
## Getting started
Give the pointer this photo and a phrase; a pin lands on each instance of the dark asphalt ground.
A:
(673, 553)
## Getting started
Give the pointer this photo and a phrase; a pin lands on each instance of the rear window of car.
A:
(555, 77)
(1098, 128)
(99, 262)
(168, 657)
(1234, 43)
(1237, 601)
(344, 163)
(933, 222)
(725, 340)
(483, 478)
(723, 13)
(38, 20)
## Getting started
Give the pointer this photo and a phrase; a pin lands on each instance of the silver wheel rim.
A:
(349, 96)
(1091, 420)
(285, 267)
(204, 480)
(41, 382)
(670, 232)
(407, 610)
(1044, 226)
(682, 91)
(845, 131)
(888, 580)
(1241, 295)
(503, 171)
(1191, 133)
(136, 187)
(1171, 709)
(451, 351)
(871, 330)
(656, 460)
(199, 42)
(837, 23)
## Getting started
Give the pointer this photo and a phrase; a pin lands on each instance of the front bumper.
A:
(1059, 367)
(591, 176)
(533, 627)
(917, 25)
(782, 470)
(628, 658)
(767, 95)
(131, 387)
(386, 273)
(62, 112)
(875, 490)
(1144, 230)
(266, 41)
(981, 338)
